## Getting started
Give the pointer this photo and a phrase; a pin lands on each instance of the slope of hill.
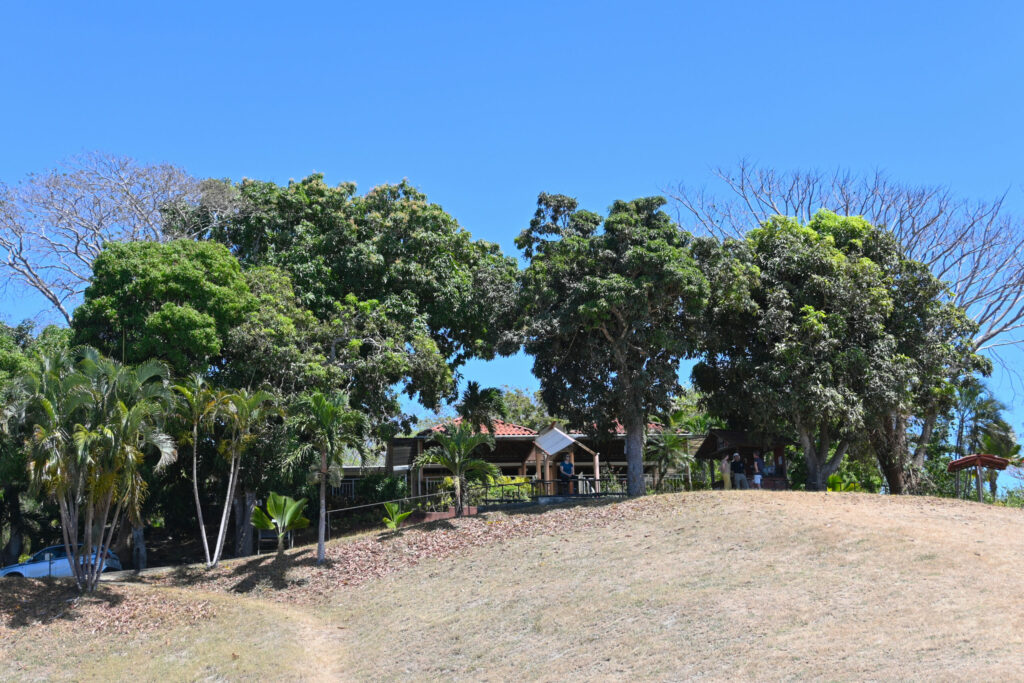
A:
(705, 585)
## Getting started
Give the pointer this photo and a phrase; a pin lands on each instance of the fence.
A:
(441, 501)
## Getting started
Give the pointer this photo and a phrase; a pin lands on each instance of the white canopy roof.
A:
(553, 441)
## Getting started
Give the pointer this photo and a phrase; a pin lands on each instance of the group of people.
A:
(732, 466)
(735, 466)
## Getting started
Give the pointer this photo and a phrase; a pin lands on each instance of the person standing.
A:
(739, 473)
(726, 470)
(758, 469)
(565, 471)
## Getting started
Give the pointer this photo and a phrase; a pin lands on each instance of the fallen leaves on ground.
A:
(294, 576)
(54, 603)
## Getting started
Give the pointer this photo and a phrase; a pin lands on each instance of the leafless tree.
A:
(54, 224)
(976, 247)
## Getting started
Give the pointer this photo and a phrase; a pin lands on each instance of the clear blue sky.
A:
(482, 106)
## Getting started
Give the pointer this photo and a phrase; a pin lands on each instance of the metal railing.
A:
(370, 515)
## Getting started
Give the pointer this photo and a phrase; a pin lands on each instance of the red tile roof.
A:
(501, 428)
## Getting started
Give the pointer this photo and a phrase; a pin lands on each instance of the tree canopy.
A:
(390, 245)
(609, 308)
(175, 301)
(824, 331)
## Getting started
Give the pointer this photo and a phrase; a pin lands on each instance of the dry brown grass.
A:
(755, 585)
(750, 585)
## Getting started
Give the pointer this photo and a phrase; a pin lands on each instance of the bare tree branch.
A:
(976, 247)
(54, 224)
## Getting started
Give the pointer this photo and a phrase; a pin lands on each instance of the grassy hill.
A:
(709, 585)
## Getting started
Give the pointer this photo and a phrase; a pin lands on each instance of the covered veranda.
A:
(550, 446)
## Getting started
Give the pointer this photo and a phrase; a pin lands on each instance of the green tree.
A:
(16, 348)
(244, 412)
(453, 450)
(333, 427)
(390, 245)
(94, 422)
(609, 308)
(527, 409)
(479, 408)
(175, 302)
(793, 336)
(929, 344)
(280, 344)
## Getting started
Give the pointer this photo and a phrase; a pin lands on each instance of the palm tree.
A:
(198, 406)
(1000, 441)
(669, 448)
(980, 427)
(480, 407)
(333, 428)
(94, 422)
(243, 411)
(977, 413)
(454, 451)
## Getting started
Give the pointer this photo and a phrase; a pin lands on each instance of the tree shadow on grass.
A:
(258, 571)
(26, 602)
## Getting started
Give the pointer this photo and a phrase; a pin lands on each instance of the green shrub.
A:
(376, 488)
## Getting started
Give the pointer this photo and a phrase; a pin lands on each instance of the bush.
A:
(376, 488)
(507, 489)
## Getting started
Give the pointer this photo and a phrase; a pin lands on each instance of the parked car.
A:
(53, 561)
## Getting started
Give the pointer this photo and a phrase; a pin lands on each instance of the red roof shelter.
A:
(977, 461)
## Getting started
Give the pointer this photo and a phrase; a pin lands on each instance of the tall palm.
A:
(95, 421)
(198, 406)
(129, 404)
(453, 451)
(481, 407)
(243, 411)
(334, 428)
(977, 414)
(1000, 441)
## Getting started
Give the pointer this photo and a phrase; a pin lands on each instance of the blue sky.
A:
(482, 106)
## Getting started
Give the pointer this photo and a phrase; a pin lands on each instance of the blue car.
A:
(53, 561)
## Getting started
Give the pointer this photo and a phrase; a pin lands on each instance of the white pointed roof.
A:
(554, 441)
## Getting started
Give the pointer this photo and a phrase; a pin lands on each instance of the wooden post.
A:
(977, 480)
(597, 472)
(572, 461)
(711, 469)
(957, 483)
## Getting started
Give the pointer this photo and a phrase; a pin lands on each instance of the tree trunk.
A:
(635, 485)
(889, 441)
(321, 537)
(139, 560)
(460, 493)
(16, 543)
(820, 466)
(244, 505)
(195, 493)
(224, 517)
(122, 546)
